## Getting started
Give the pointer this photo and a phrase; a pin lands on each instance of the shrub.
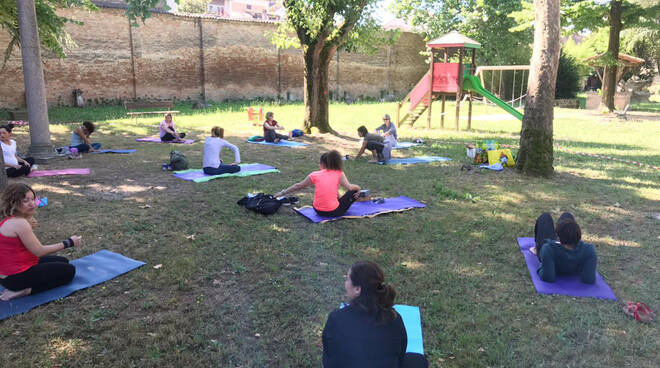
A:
(568, 77)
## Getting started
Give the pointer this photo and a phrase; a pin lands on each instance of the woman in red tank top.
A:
(326, 183)
(26, 266)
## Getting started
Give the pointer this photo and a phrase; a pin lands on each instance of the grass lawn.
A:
(254, 291)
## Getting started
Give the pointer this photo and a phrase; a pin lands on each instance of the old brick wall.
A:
(239, 62)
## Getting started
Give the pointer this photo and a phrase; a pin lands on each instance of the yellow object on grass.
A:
(494, 157)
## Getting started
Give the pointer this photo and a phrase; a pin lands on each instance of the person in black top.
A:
(368, 332)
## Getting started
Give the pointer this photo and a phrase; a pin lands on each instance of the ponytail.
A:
(376, 297)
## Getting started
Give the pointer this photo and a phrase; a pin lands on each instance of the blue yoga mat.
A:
(412, 321)
(404, 145)
(115, 151)
(282, 143)
(90, 270)
(416, 160)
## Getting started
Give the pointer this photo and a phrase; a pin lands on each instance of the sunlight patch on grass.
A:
(413, 265)
(279, 229)
(609, 241)
(67, 347)
(54, 189)
(470, 271)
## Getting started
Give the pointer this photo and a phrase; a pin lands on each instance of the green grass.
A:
(255, 291)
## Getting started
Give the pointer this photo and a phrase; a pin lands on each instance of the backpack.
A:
(262, 203)
(178, 161)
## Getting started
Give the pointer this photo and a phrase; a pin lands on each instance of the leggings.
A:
(82, 148)
(23, 170)
(271, 136)
(345, 203)
(222, 169)
(545, 229)
(50, 272)
(168, 137)
(377, 147)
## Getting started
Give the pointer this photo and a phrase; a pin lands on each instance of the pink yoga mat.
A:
(38, 173)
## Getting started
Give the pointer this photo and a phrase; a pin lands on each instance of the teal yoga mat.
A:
(90, 270)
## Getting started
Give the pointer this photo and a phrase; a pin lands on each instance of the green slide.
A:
(472, 83)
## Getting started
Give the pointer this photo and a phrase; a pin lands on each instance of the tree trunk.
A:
(609, 77)
(536, 152)
(316, 96)
(35, 87)
(3, 174)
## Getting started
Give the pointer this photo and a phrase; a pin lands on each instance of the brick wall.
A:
(239, 62)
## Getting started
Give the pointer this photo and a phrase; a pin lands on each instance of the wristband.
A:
(68, 243)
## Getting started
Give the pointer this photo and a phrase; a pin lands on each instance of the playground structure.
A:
(446, 78)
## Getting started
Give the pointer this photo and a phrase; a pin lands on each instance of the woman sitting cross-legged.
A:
(212, 164)
(15, 166)
(568, 256)
(80, 138)
(326, 183)
(270, 126)
(368, 333)
(168, 132)
(388, 130)
(26, 266)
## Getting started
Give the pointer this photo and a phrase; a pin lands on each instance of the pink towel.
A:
(38, 173)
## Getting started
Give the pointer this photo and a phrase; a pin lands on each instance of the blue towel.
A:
(282, 143)
(495, 167)
(412, 321)
(416, 160)
(115, 151)
(90, 270)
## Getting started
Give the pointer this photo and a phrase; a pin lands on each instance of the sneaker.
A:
(182, 135)
(35, 166)
(293, 200)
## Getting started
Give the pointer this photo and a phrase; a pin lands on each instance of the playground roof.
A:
(626, 60)
(453, 39)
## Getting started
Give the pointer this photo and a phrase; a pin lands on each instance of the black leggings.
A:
(345, 203)
(168, 137)
(23, 170)
(545, 228)
(271, 136)
(222, 169)
(50, 272)
(377, 147)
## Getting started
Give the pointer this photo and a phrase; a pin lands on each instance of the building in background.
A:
(248, 9)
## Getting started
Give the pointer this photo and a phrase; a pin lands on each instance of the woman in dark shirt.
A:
(368, 332)
(568, 256)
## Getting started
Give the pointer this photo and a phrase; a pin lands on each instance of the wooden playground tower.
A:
(443, 79)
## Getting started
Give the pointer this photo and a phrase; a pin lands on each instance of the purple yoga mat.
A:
(192, 175)
(366, 209)
(38, 173)
(563, 285)
(157, 140)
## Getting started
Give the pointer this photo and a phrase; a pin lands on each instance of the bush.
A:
(568, 77)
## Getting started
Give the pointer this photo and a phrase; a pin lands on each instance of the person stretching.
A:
(389, 130)
(326, 183)
(270, 126)
(26, 266)
(80, 138)
(380, 149)
(212, 164)
(168, 132)
(14, 165)
(368, 332)
(568, 256)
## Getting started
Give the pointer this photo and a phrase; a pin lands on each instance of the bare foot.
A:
(8, 295)
(277, 140)
(532, 250)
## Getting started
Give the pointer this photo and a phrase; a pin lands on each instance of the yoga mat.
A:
(90, 270)
(412, 321)
(563, 285)
(495, 167)
(38, 173)
(416, 160)
(282, 143)
(157, 140)
(115, 151)
(404, 145)
(198, 176)
(365, 209)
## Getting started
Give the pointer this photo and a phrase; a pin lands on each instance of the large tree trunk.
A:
(609, 77)
(35, 87)
(3, 174)
(317, 62)
(536, 152)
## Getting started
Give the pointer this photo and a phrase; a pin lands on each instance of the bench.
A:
(135, 105)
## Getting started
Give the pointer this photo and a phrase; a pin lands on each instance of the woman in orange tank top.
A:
(326, 183)
(26, 266)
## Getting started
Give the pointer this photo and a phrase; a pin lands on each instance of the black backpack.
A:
(262, 203)
(178, 161)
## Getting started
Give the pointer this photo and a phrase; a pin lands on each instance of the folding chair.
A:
(622, 114)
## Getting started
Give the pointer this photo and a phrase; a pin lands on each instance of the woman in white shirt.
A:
(14, 165)
(212, 164)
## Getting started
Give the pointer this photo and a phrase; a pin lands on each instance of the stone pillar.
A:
(35, 88)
